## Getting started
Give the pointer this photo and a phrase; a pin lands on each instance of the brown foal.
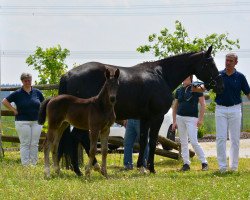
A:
(95, 114)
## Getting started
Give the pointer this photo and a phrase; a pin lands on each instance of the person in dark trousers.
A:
(132, 135)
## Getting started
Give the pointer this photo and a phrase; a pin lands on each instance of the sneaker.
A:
(222, 170)
(233, 169)
(204, 166)
(185, 167)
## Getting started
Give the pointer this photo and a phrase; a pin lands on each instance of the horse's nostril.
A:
(112, 99)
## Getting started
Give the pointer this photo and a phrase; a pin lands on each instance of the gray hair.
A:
(234, 55)
(25, 76)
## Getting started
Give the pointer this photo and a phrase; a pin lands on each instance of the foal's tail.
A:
(42, 112)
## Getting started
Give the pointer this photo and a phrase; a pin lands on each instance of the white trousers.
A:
(228, 120)
(29, 133)
(187, 129)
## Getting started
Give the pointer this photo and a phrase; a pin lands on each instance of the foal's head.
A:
(112, 84)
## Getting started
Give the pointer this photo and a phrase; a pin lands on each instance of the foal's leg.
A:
(46, 150)
(57, 136)
(93, 135)
(104, 145)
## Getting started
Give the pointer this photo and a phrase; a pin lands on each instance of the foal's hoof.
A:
(104, 173)
(46, 176)
(142, 170)
(97, 167)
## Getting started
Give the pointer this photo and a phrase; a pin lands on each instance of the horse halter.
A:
(212, 82)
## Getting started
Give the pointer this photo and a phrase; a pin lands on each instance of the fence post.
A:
(241, 128)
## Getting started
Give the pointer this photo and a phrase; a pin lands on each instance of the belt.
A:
(228, 105)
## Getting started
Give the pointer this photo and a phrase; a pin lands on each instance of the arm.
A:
(7, 104)
(174, 111)
(201, 88)
(202, 110)
(248, 96)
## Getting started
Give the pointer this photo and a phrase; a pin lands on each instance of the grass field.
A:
(17, 182)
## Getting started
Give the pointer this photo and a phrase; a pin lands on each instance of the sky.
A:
(110, 31)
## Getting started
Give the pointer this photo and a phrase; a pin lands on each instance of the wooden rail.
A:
(40, 87)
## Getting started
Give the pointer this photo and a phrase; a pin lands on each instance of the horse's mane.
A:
(165, 60)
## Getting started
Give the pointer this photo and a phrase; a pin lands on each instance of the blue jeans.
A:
(132, 135)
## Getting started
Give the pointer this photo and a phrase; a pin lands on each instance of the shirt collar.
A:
(223, 72)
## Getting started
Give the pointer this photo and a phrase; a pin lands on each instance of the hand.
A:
(174, 126)
(15, 112)
(199, 122)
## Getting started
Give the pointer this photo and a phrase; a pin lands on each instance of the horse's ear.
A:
(117, 73)
(107, 74)
(209, 51)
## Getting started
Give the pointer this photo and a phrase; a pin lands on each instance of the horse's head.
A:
(209, 73)
(112, 84)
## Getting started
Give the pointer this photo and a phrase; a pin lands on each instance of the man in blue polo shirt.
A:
(228, 113)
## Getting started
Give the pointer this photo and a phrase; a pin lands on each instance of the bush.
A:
(201, 131)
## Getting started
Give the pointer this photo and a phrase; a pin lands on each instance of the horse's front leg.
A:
(93, 134)
(144, 128)
(153, 136)
(104, 145)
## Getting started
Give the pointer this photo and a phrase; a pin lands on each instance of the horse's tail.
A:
(62, 85)
(42, 111)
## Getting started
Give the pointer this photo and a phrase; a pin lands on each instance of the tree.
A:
(50, 65)
(167, 44)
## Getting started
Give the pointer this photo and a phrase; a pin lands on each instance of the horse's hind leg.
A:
(104, 145)
(57, 136)
(93, 147)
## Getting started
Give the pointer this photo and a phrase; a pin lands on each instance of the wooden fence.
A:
(112, 140)
(15, 139)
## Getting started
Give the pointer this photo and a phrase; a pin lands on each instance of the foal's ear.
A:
(107, 74)
(208, 52)
(117, 73)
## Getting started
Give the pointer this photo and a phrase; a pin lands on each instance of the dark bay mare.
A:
(95, 114)
(145, 90)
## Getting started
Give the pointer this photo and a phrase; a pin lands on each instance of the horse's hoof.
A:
(78, 173)
(97, 167)
(142, 170)
(57, 171)
(151, 169)
(104, 173)
(87, 171)
(46, 175)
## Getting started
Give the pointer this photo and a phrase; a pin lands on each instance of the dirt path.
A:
(210, 148)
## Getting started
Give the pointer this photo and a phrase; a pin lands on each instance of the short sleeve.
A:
(244, 85)
(12, 97)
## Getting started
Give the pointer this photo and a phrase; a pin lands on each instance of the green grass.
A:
(17, 182)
